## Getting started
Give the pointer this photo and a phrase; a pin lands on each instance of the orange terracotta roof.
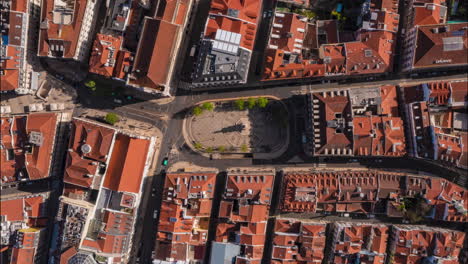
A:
(332, 106)
(292, 30)
(373, 54)
(127, 163)
(248, 10)
(276, 69)
(9, 73)
(258, 187)
(294, 240)
(170, 219)
(426, 242)
(95, 140)
(67, 255)
(459, 93)
(379, 136)
(429, 12)
(35, 205)
(122, 65)
(117, 222)
(108, 243)
(38, 163)
(104, 54)
(168, 251)
(28, 158)
(12, 209)
(389, 102)
(245, 29)
(19, 5)
(23, 255)
(51, 34)
(158, 39)
(301, 191)
(431, 51)
(77, 170)
(98, 137)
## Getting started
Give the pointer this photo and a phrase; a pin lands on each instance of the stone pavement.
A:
(228, 127)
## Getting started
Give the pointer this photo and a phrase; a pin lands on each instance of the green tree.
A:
(208, 106)
(112, 118)
(221, 148)
(198, 145)
(251, 102)
(244, 148)
(262, 102)
(90, 84)
(196, 111)
(209, 149)
(240, 104)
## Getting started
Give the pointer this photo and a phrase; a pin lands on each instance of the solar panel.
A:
(453, 43)
(226, 41)
(458, 33)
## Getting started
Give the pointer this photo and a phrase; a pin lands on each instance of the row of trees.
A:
(198, 110)
(240, 104)
(261, 102)
(221, 149)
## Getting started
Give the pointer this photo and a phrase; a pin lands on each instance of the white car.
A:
(155, 214)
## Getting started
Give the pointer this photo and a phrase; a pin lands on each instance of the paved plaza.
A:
(250, 130)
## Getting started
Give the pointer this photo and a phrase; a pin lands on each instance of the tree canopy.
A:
(112, 118)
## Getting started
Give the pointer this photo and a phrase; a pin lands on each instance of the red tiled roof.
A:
(122, 64)
(19, 5)
(296, 242)
(379, 136)
(33, 206)
(373, 54)
(55, 34)
(245, 29)
(127, 163)
(290, 34)
(156, 47)
(96, 141)
(254, 187)
(459, 93)
(117, 222)
(98, 137)
(104, 54)
(441, 243)
(248, 9)
(328, 28)
(431, 51)
(37, 159)
(77, 170)
(22, 255)
(352, 239)
(245, 23)
(107, 243)
(332, 106)
(38, 162)
(12, 209)
(172, 251)
(354, 191)
(67, 255)
(429, 12)
(9, 74)
(275, 69)
(170, 219)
